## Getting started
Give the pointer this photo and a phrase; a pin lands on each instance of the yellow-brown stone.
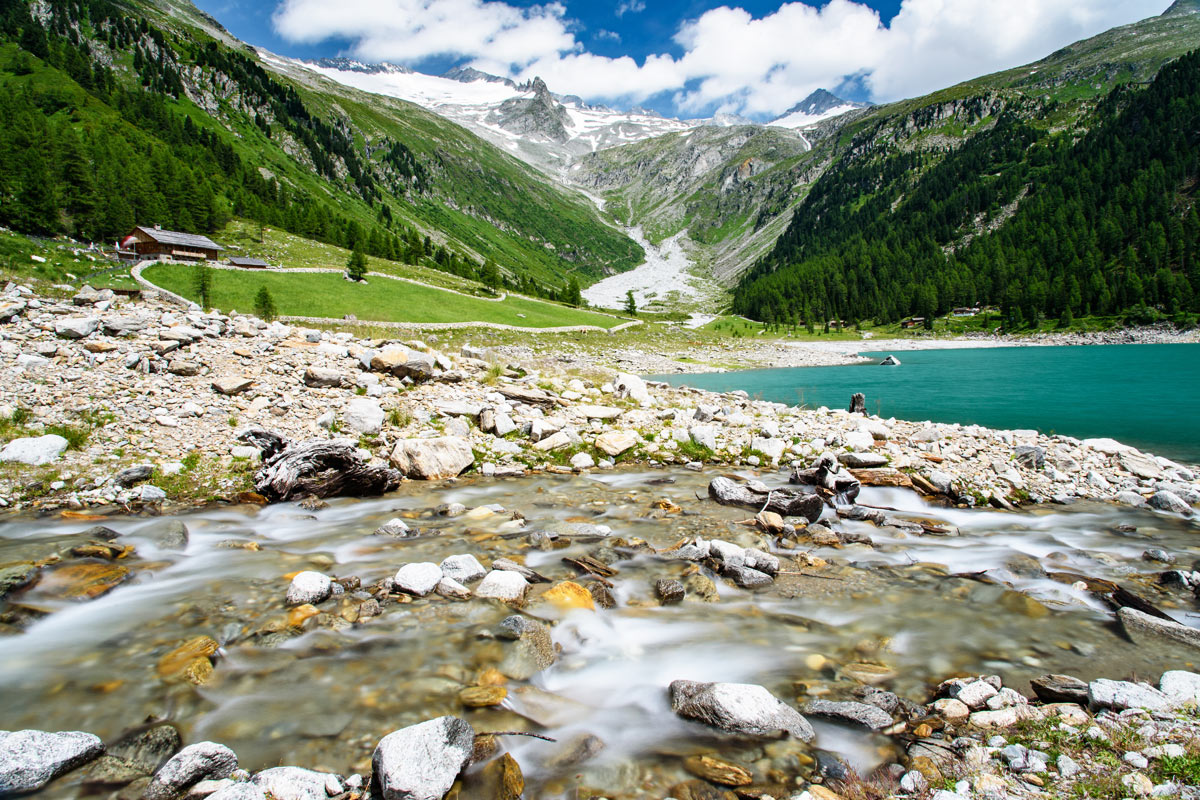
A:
(821, 793)
(179, 659)
(84, 581)
(569, 595)
(1020, 603)
(482, 696)
(503, 778)
(300, 614)
(198, 671)
(715, 770)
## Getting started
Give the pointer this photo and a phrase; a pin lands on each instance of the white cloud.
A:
(630, 7)
(731, 60)
(611, 36)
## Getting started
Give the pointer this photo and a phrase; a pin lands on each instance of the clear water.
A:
(324, 698)
(1144, 395)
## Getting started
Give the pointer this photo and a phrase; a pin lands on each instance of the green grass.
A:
(379, 299)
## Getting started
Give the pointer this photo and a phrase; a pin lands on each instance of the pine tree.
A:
(203, 287)
(264, 305)
(573, 296)
(630, 304)
(356, 267)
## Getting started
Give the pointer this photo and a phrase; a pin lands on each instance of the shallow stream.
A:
(905, 614)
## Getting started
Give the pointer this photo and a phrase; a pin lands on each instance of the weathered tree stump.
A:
(827, 473)
(858, 403)
(782, 501)
(318, 468)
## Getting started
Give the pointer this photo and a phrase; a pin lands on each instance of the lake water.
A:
(1144, 395)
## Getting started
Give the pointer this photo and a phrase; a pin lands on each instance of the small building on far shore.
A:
(245, 262)
(145, 243)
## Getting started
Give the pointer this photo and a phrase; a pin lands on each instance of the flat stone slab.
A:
(867, 716)
(738, 708)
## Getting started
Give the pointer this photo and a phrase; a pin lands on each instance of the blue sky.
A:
(688, 57)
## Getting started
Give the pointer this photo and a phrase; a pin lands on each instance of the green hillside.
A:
(116, 113)
(1040, 220)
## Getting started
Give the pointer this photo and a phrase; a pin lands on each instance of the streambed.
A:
(904, 613)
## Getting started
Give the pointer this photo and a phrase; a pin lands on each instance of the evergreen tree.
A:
(264, 305)
(630, 304)
(573, 296)
(203, 287)
(356, 266)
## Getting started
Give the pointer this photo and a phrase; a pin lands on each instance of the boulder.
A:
(867, 716)
(363, 415)
(890, 361)
(421, 762)
(394, 527)
(1169, 501)
(503, 585)
(1139, 464)
(36, 450)
(1146, 629)
(613, 443)
(323, 378)
(309, 587)
(1060, 689)
(183, 368)
(231, 385)
(463, 568)
(76, 327)
(863, 460)
(31, 759)
(419, 579)
(433, 459)
(738, 708)
(403, 363)
(631, 387)
(192, 764)
(1180, 687)
(294, 783)
(238, 791)
(1120, 695)
(533, 651)
(599, 412)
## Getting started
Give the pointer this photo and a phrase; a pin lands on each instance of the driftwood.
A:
(828, 474)
(858, 403)
(782, 501)
(318, 468)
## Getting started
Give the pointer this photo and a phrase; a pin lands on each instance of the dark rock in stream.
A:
(16, 577)
(781, 501)
(669, 591)
(317, 468)
(135, 755)
(169, 535)
(31, 759)
(533, 651)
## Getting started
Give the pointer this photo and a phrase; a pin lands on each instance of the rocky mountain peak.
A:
(540, 115)
(819, 102)
(1183, 7)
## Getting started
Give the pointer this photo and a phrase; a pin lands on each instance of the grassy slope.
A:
(484, 201)
(379, 299)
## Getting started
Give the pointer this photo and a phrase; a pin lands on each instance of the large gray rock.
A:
(432, 459)
(421, 762)
(194, 763)
(238, 791)
(31, 759)
(1169, 501)
(614, 443)
(419, 579)
(738, 708)
(363, 415)
(403, 363)
(1143, 628)
(35, 450)
(294, 783)
(1180, 686)
(1139, 464)
(1120, 695)
(503, 585)
(632, 387)
(867, 716)
(76, 327)
(324, 378)
(309, 587)
(463, 568)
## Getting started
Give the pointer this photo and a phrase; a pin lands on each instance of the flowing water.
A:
(910, 609)
(1146, 395)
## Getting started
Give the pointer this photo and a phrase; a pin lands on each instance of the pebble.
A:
(309, 587)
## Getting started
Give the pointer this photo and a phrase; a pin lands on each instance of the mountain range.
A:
(477, 174)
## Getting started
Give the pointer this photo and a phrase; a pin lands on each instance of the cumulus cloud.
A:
(730, 60)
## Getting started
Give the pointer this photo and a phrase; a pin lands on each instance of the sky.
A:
(689, 58)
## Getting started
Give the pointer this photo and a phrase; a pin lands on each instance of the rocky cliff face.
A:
(537, 116)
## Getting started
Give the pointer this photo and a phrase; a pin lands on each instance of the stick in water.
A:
(517, 733)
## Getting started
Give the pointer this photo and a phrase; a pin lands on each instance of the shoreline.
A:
(139, 402)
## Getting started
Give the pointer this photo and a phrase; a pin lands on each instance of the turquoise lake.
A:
(1145, 395)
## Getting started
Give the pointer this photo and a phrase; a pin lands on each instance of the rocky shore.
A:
(115, 402)
(132, 409)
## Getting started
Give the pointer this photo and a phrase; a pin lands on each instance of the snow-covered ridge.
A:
(473, 99)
